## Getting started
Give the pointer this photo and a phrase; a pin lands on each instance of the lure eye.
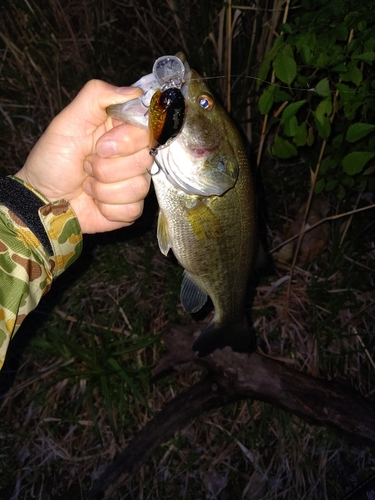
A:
(206, 102)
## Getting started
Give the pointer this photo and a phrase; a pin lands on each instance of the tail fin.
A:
(239, 336)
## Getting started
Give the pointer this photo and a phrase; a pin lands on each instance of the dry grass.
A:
(59, 444)
(71, 410)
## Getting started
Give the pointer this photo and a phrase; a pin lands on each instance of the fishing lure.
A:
(167, 110)
(167, 105)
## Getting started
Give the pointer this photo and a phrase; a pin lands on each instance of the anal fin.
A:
(192, 297)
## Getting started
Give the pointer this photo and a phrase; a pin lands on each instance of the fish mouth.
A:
(196, 148)
(200, 152)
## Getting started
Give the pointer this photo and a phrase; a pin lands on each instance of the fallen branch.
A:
(201, 397)
(232, 377)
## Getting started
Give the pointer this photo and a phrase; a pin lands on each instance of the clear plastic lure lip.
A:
(169, 72)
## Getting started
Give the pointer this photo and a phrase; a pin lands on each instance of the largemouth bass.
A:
(208, 213)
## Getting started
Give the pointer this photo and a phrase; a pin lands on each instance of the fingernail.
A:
(87, 167)
(126, 90)
(107, 148)
(87, 187)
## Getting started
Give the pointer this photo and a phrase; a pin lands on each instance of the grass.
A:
(83, 386)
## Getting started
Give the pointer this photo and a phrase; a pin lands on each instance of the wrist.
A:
(32, 185)
(55, 225)
(25, 203)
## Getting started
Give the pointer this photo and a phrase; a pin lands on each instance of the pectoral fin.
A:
(203, 221)
(163, 234)
(192, 297)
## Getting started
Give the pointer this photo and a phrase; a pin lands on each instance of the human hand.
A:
(90, 160)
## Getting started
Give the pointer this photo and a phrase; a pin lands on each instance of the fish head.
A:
(202, 158)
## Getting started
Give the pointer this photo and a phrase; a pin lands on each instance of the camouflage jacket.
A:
(26, 268)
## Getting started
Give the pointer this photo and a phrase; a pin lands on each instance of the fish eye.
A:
(206, 102)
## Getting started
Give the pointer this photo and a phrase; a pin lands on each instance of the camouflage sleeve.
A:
(26, 269)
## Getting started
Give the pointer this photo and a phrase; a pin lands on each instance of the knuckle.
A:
(99, 170)
(134, 211)
(94, 84)
(125, 140)
(140, 186)
(97, 191)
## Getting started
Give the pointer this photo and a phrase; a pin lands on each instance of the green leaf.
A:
(300, 137)
(350, 100)
(348, 181)
(355, 73)
(283, 149)
(340, 68)
(281, 95)
(322, 60)
(321, 119)
(368, 57)
(310, 137)
(291, 127)
(327, 164)
(337, 55)
(305, 52)
(305, 43)
(361, 25)
(284, 65)
(341, 32)
(286, 28)
(266, 100)
(323, 126)
(342, 88)
(352, 74)
(357, 131)
(291, 110)
(265, 66)
(322, 88)
(341, 192)
(330, 185)
(319, 186)
(324, 109)
(369, 45)
(353, 163)
(306, 39)
(263, 70)
(353, 45)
